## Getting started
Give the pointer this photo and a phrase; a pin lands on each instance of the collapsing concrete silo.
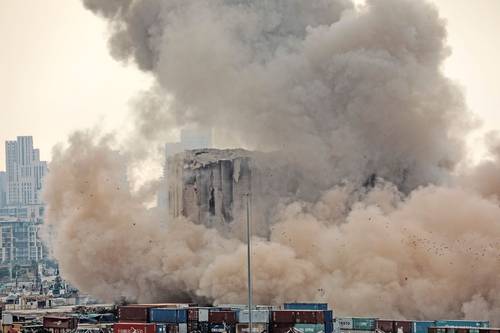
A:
(211, 186)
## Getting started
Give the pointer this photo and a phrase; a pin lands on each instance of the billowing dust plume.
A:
(347, 93)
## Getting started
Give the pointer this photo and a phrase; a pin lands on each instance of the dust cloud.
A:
(348, 93)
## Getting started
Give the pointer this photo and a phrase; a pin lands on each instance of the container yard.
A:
(226, 318)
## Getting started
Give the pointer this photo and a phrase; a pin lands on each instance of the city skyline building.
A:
(21, 206)
(3, 189)
(25, 172)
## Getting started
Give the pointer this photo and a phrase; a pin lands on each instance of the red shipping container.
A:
(403, 326)
(219, 317)
(298, 317)
(282, 328)
(69, 323)
(283, 317)
(134, 328)
(192, 314)
(386, 325)
(395, 326)
(309, 317)
(134, 313)
(139, 313)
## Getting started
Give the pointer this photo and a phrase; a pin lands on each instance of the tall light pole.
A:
(249, 267)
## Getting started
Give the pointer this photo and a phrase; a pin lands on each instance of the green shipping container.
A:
(364, 324)
(310, 328)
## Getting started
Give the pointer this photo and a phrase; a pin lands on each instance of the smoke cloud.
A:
(345, 93)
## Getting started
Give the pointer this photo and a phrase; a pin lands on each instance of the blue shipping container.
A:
(305, 306)
(329, 327)
(168, 315)
(462, 323)
(182, 315)
(328, 316)
(422, 326)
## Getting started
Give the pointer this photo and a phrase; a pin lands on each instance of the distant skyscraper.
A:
(3, 189)
(25, 172)
(193, 138)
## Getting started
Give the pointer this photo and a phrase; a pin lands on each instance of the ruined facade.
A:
(212, 187)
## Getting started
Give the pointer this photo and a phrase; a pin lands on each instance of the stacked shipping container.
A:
(293, 318)
(356, 325)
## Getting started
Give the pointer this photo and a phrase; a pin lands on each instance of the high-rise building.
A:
(25, 172)
(3, 189)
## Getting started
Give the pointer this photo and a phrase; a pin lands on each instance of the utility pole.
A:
(249, 267)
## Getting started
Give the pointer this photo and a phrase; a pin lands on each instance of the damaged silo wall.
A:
(211, 187)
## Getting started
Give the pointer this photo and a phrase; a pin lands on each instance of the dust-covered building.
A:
(212, 187)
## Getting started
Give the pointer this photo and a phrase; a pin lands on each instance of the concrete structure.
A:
(211, 187)
(189, 139)
(3, 189)
(25, 172)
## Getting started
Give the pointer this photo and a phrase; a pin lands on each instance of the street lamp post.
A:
(249, 267)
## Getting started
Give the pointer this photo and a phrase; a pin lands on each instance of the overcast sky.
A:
(56, 74)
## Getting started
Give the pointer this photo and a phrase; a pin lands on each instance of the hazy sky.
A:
(56, 74)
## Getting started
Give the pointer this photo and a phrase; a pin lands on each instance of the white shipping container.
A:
(345, 323)
(355, 331)
(203, 315)
(258, 316)
(183, 328)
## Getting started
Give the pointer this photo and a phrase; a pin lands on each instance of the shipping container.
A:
(395, 326)
(357, 324)
(222, 328)
(356, 331)
(193, 314)
(283, 317)
(328, 314)
(161, 328)
(328, 326)
(297, 328)
(305, 306)
(403, 326)
(233, 306)
(345, 323)
(134, 313)
(300, 317)
(422, 326)
(462, 323)
(183, 328)
(68, 323)
(172, 328)
(197, 327)
(256, 328)
(167, 315)
(309, 328)
(456, 329)
(203, 315)
(134, 328)
(364, 324)
(258, 316)
(386, 326)
(219, 317)
(282, 328)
